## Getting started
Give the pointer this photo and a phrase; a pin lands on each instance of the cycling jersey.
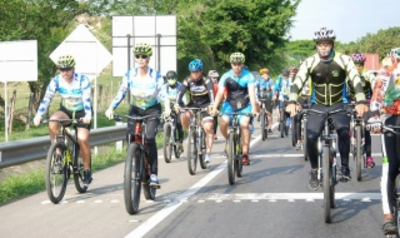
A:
(171, 93)
(284, 89)
(367, 80)
(201, 91)
(75, 95)
(265, 88)
(328, 80)
(145, 91)
(237, 88)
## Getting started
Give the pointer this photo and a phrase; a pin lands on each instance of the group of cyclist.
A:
(327, 80)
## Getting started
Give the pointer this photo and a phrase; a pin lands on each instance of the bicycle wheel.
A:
(167, 147)
(357, 131)
(238, 160)
(293, 127)
(78, 170)
(264, 133)
(287, 127)
(202, 146)
(231, 158)
(56, 172)
(304, 138)
(176, 148)
(282, 123)
(332, 186)
(326, 177)
(149, 192)
(191, 153)
(134, 172)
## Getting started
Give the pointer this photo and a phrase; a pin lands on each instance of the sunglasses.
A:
(195, 72)
(141, 56)
(359, 65)
(324, 44)
(65, 69)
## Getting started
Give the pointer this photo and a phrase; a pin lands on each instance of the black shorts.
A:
(78, 114)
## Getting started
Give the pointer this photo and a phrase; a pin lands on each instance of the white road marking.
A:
(149, 224)
(365, 197)
(46, 202)
(114, 201)
(80, 201)
(98, 201)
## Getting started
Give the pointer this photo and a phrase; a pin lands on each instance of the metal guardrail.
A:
(22, 151)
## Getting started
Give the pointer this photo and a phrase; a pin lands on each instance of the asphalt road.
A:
(272, 199)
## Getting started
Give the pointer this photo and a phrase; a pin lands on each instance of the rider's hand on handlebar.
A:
(167, 113)
(177, 108)
(110, 114)
(37, 120)
(361, 109)
(254, 112)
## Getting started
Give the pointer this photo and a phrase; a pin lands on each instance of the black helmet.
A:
(285, 72)
(171, 75)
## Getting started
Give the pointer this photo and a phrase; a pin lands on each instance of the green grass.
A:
(20, 186)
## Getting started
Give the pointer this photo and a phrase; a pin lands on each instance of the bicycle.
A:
(357, 141)
(137, 169)
(327, 166)
(284, 123)
(264, 119)
(235, 164)
(171, 138)
(63, 159)
(303, 132)
(196, 138)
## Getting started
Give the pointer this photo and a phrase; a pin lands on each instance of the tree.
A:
(299, 50)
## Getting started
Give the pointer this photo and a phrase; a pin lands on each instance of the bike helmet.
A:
(142, 49)
(171, 77)
(237, 57)
(264, 71)
(285, 72)
(358, 58)
(65, 62)
(324, 34)
(213, 74)
(195, 65)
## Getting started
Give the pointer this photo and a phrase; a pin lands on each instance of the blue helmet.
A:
(195, 65)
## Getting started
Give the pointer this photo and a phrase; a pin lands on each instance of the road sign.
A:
(90, 55)
(18, 62)
(158, 31)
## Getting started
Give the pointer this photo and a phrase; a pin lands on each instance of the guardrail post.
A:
(119, 144)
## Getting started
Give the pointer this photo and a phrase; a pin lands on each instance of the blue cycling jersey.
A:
(75, 95)
(265, 88)
(171, 93)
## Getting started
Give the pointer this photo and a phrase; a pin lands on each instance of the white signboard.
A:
(18, 61)
(158, 31)
(90, 55)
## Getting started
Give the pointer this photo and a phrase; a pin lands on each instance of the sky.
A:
(350, 19)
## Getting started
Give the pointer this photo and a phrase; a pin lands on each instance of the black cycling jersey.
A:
(201, 91)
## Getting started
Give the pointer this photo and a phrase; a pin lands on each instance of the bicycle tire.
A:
(191, 155)
(358, 155)
(238, 161)
(166, 145)
(51, 187)
(78, 170)
(326, 177)
(133, 175)
(231, 159)
(332, 186)
(282, 123)
(263, 134)
(149, 192)
(202, 144)
(176, 148)
(293, 135)
(305, 152)
(287, 127)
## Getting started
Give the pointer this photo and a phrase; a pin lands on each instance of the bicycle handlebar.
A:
(383, 128)
(235, 114)
(327, 113)
(62, 121)
(119, 117)
(183, 109)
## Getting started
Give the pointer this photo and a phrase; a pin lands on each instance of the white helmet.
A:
(324, 34)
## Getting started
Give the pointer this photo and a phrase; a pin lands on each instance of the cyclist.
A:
(213, 75)
(201, 92)
(144, 84)
(239, 83)
(74, 90)
(282, 87)
(171, 90)
(303, 102)
(367, 80)
(387, 84)
(265, 89)
(328, 71)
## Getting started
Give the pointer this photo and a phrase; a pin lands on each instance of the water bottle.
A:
(288, 121)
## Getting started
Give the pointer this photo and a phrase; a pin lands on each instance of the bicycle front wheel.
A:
(78, 170)
(191, 153)
(238, 161)
(56, 172)
(282, 123)
(326, 176)
(264, 132)
(231, 159)
(202, 146)
(167, 148)
(134, 172)
(358, 154)
(176, 148)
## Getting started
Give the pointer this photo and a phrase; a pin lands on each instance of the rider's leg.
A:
(185, 120)
(178, 125)
(83, 141)
(244, 127)
(54, 127)
(208, 127)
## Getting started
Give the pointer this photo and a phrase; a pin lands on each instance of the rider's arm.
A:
(121, 92)
(86, 91)
(48, 96)
(221, 91)
(252, 91)
(299, 81)
(181, 92)
(210, 89)
(353, 78)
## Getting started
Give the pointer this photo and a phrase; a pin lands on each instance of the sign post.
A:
(18, 62)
